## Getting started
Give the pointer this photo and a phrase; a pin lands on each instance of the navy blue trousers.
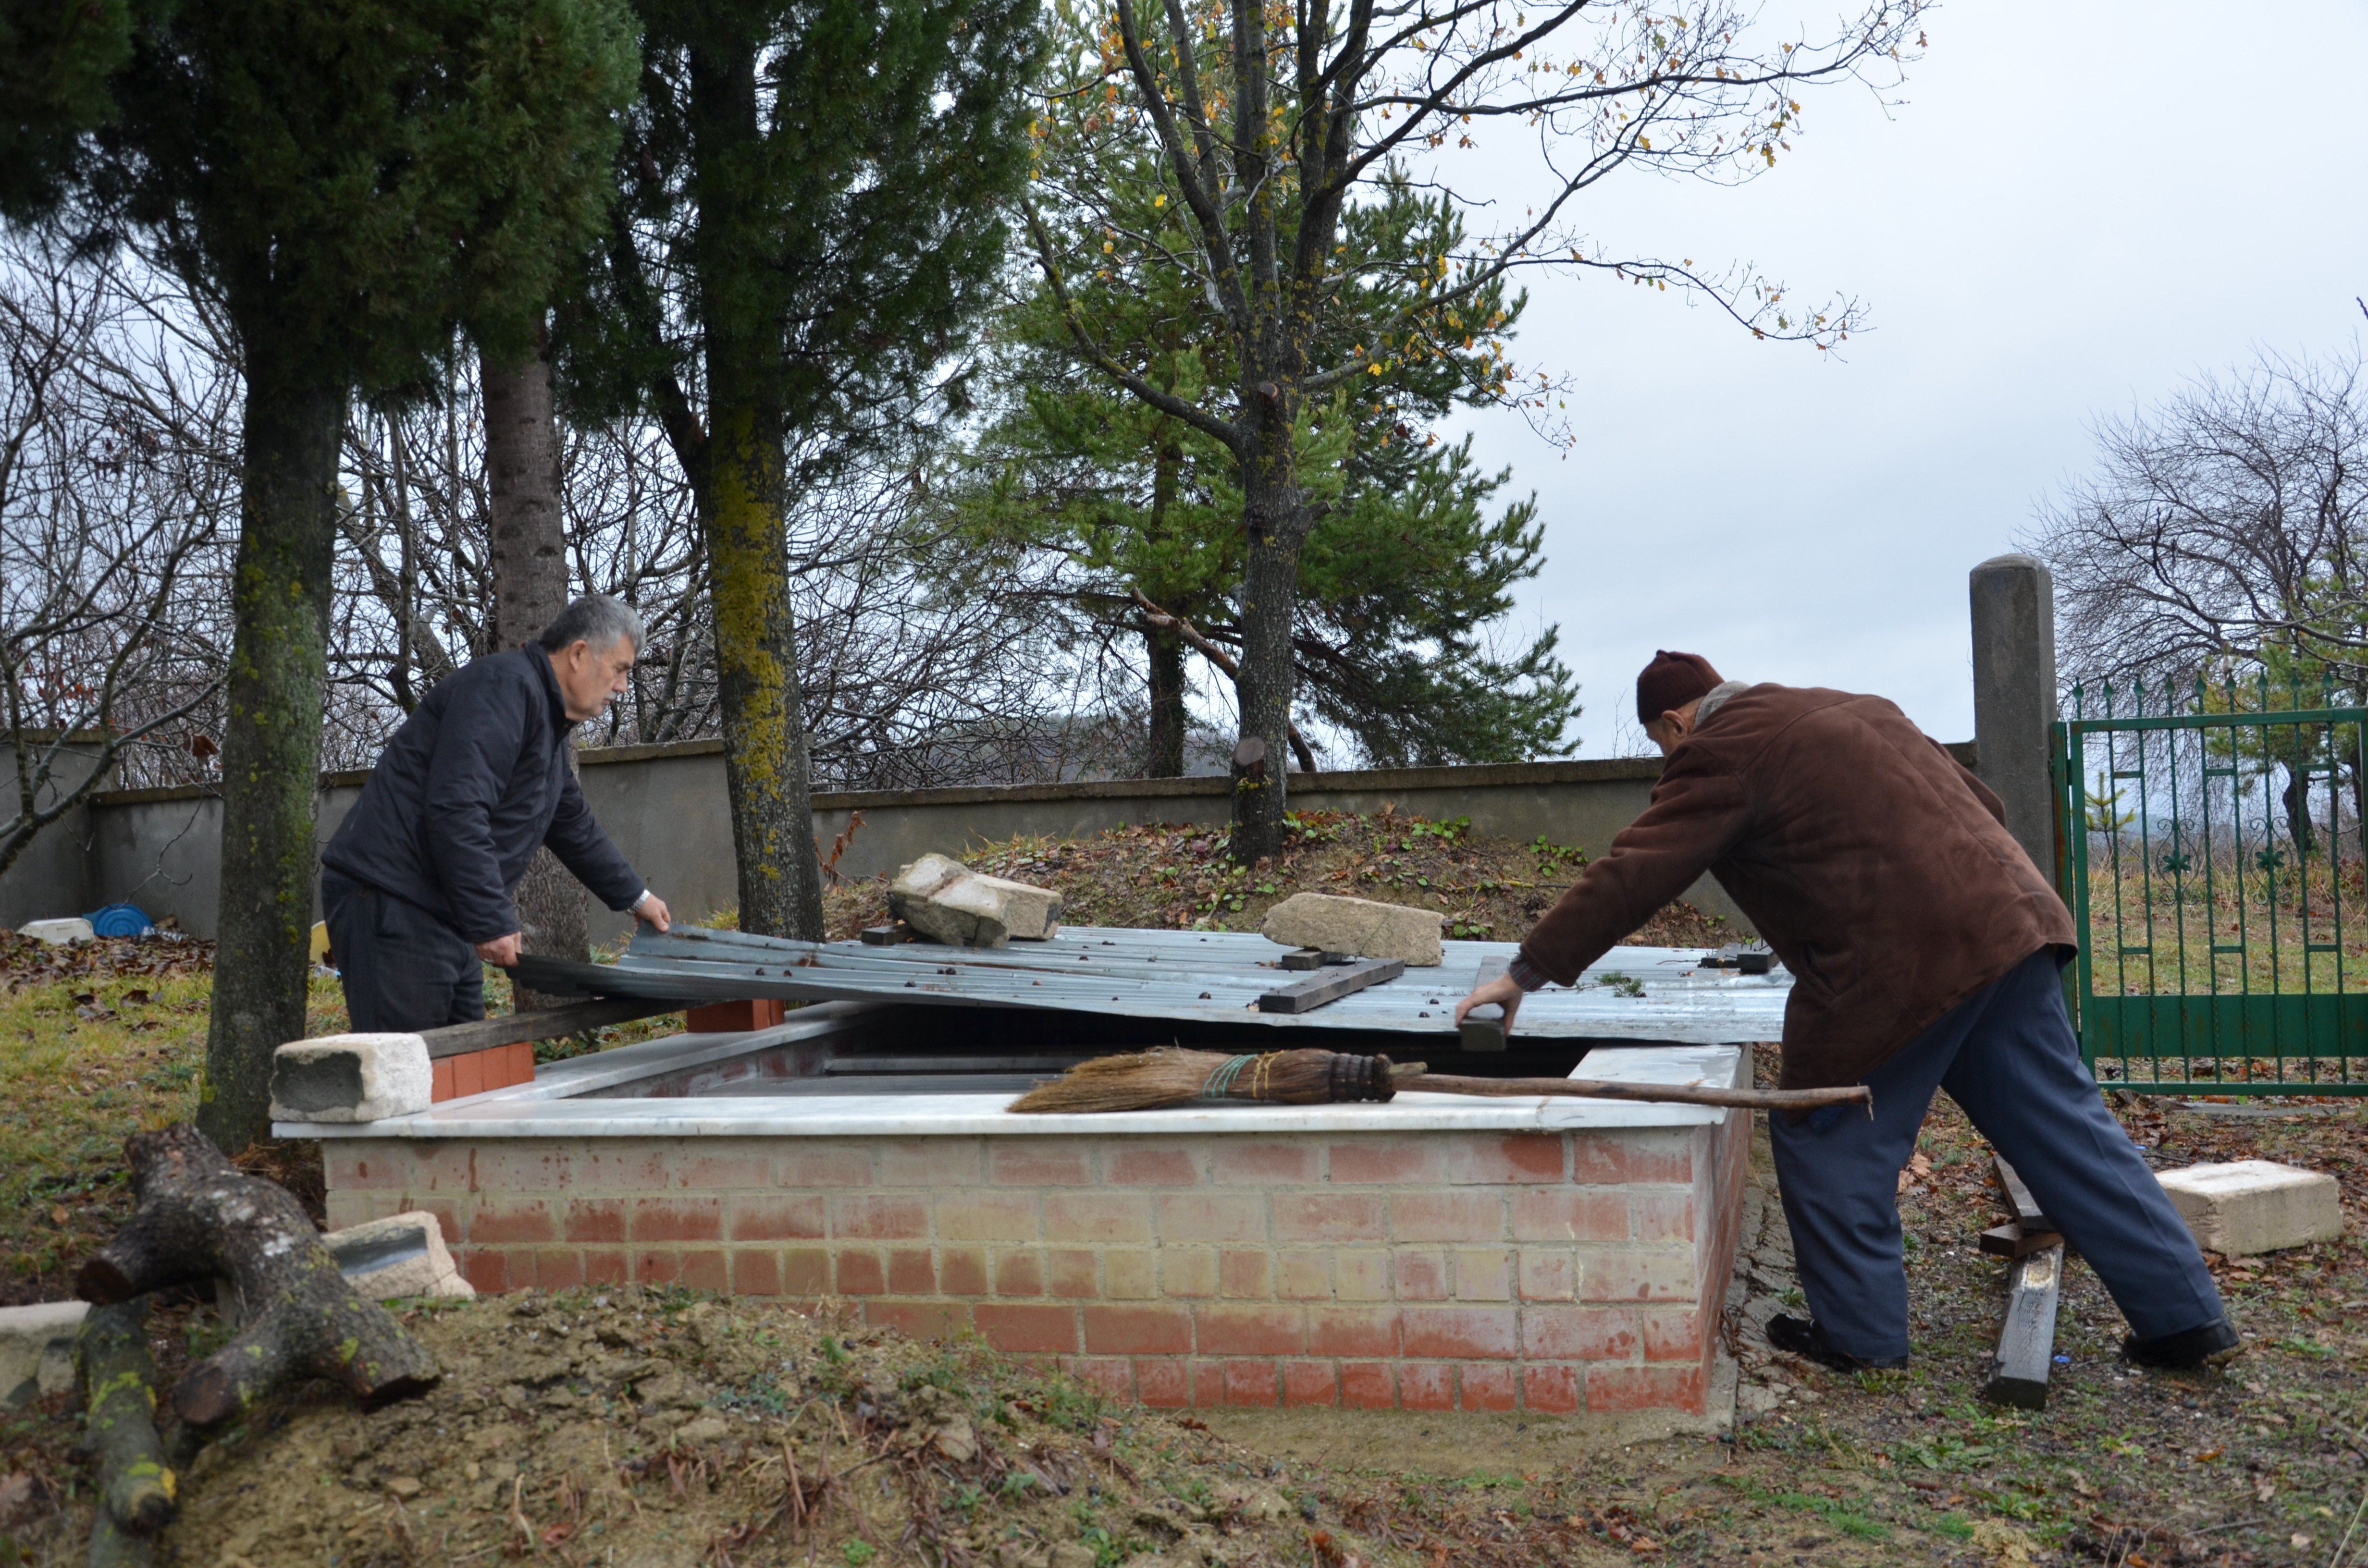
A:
(402, 969)
(2007, 1056)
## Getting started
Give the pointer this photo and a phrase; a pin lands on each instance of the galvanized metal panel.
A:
(1205, 977)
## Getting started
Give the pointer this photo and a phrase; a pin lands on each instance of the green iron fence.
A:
(2210, 840)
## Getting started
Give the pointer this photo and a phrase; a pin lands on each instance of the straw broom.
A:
(1153, 1080)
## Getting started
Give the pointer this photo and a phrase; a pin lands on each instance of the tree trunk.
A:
(529, 557)
(765, 763)
(1274, 513)
(741, 484)
(1164, 651)
(271, 741)
(198, 1218)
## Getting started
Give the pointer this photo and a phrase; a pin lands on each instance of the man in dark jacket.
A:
(416, 882)
(1924, 948)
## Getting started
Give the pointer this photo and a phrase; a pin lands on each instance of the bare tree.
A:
(2230, 520)
(1267, 123)
(114, 470)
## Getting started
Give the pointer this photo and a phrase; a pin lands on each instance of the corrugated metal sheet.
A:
(1206, 977)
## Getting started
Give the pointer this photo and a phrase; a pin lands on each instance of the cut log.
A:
(2027, 1345)
(135, 1485)
(198, 1218)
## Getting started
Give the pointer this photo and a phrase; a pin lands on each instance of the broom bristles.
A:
(1170, 1075)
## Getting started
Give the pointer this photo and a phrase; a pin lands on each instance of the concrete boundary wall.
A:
(665, 806)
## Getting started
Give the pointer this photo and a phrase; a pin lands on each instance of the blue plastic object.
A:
(120, 920)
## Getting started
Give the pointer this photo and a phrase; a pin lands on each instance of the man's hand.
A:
(1503, 991)
(501, 951)
(653, 912)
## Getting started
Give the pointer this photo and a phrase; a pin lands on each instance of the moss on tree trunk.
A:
(271, 740)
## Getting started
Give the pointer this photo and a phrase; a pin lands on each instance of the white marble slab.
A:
(552, 1107)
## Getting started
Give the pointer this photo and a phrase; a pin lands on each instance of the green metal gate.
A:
(2210, 846)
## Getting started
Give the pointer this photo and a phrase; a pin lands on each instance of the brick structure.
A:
(474, 1072)
(1553, 1271)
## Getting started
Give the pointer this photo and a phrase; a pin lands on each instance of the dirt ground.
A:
(630, 1427)
(1179, 877)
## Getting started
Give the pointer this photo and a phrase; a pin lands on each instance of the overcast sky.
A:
(2078, 204)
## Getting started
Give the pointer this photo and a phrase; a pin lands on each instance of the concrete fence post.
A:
(2014, 694)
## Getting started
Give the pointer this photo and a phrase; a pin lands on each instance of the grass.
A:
(102, 1039)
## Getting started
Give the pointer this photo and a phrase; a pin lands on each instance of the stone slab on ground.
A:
(403, 1255)
(947, 902)
(1358, 926)
(73, 928)
(351, 1077)
(2252, 1206)
(37, 1349)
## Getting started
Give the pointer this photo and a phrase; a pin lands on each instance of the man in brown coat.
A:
(1925, 948)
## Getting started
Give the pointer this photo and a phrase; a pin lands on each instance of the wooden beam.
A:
(1306, 995)
(551, 1023)
(2027, 1345)
(1483, 1028)
(2011, 1240)
(2027, 1211)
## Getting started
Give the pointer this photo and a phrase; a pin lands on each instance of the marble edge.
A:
(507, 1113)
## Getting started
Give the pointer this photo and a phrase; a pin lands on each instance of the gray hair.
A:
(595, 619)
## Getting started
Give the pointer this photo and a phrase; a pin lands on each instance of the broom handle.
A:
(1656, 1094)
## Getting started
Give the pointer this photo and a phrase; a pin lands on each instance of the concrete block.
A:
(351, 1077)
(2250, 1206)
(73, 928)
(1358, 926)
(403, 1255)
(947, 902)
(37, 1349)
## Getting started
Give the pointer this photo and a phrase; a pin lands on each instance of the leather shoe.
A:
(1799, 1337)
(2210, 1345)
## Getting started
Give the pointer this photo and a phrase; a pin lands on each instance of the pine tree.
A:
(1403, 572)
(1270, 126)
(351, 181)
(810, 214)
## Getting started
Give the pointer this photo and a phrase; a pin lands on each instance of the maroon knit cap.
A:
(1671, 681)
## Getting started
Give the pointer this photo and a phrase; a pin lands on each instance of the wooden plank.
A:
(1302, 958)
(1306, 995)
(2027, 1212)
(2027, 1345)
(551, 1023)
(2011, 1240)
(1483, 1028)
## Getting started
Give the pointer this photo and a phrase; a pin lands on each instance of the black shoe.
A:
(1799, 1337)
(2210, 1345)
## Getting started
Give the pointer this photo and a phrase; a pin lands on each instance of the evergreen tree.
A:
(1403, 571)
(811, 213)
(1271, 126)
(351, 181)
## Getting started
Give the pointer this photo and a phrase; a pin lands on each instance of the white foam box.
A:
(2248, 1206)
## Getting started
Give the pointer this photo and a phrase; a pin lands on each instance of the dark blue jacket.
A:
(474, 780)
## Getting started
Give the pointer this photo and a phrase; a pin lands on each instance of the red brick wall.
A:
(1430, 1270)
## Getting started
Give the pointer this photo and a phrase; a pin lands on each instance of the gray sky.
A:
(2079, 205)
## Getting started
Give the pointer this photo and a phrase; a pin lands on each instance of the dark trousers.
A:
(2007, 1056)
(402, 969)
